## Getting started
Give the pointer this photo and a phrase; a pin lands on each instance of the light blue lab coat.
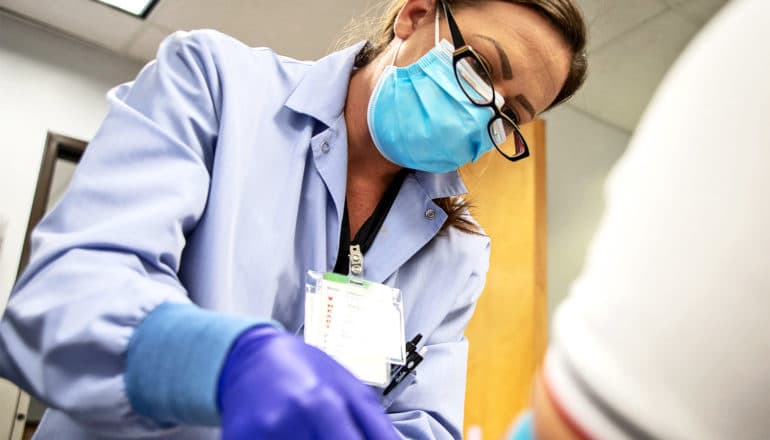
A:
(218, 179)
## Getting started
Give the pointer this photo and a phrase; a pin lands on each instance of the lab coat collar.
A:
(322, 92)
(441, 185)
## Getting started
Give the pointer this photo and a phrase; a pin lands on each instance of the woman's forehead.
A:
(537, 53)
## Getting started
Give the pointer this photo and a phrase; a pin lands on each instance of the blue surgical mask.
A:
(420, 118)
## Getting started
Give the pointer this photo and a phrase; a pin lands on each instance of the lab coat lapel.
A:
(413, 220)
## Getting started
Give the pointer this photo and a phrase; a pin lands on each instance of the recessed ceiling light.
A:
(138, 8)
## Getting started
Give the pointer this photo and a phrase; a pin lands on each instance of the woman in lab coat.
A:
(166, 287)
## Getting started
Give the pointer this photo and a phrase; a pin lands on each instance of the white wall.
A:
(581, 150)
(47, 82)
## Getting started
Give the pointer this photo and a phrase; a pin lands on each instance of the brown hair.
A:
(563, 14)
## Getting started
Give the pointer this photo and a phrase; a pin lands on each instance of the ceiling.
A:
(633, 42)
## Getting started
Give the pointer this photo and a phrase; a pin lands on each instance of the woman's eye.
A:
(484, 64)
(507, 111)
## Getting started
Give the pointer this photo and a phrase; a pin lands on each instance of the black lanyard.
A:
(368, 232)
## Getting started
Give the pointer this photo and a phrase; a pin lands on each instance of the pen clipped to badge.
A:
(413, 359)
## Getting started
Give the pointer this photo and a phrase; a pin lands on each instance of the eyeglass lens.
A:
(476, 85)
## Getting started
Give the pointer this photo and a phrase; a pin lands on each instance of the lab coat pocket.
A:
(388, 400)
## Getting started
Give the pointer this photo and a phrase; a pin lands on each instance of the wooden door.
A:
(508, 331)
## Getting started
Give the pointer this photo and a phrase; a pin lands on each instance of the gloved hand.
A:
(273, 385)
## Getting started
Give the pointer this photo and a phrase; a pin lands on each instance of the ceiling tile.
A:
(698, 11)
(307, 30)
(609, 19)
(145, 45)
(632, 42)
(88, 20)
(624, 74)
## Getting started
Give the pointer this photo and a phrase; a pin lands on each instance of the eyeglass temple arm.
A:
(457, 37)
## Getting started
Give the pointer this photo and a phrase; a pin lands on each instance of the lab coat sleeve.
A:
(433, 407)
(108, 254)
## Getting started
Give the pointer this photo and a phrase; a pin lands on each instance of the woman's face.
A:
(527, 56)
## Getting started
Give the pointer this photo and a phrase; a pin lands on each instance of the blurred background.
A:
(59, 58)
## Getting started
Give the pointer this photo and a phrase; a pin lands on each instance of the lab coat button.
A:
(430, 214)
(325, 147)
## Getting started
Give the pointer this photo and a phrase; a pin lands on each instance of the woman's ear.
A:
(411, 16)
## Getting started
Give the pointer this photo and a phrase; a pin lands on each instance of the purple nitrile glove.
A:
(273, 385)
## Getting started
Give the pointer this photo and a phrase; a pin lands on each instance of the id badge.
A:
(359, 323)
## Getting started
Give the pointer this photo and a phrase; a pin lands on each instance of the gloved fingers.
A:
(278, 419)
(370, 416)
(331, 417)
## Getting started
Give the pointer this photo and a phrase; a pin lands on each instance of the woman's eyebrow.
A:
(527, 106)
(504, 61)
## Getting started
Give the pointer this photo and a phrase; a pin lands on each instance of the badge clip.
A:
(356, 260)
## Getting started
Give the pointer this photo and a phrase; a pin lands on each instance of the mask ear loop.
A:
(400, 41)
(398, 49)
(436, 32)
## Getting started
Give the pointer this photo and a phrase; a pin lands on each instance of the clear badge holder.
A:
(359, 323)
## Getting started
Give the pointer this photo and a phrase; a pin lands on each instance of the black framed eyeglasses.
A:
(476, 82)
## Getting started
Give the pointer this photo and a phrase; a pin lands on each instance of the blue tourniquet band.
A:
(174, 359)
